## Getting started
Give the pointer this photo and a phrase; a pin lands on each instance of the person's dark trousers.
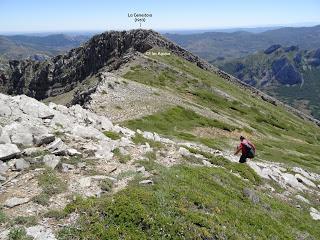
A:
(243, 159)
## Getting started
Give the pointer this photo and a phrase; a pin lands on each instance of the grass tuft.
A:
(112, 135)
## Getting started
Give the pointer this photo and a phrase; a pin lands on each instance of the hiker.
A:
(247, 148)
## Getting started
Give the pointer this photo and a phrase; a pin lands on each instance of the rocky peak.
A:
(63, 73)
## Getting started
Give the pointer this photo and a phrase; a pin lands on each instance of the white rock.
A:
(157, 138)
(44, 139)
(104, 124)
(30, 151)
(67, 167)
(84, 182)
(141, 169)
(8, 151)
(4, 136)
(57, 146)
(146, 148)
(126, 132)
(87, 132)
(305, 180)
(301, 198)
(104, 150)
(11, 163)
(40, 233)
(4, 235)
(102, 177)
(21, 164)
(19, 134)
(51, 160)
(3, 167)
(314, 213)
(148, 135)
(15, 201)
(73, 152)
(33, 107)
(145, 182)
(292, 181)
(199, 156)
(309, 175)
(123, 151)
(5, 111)
(81, 165)
(184, 152)
(207, 163)
(166, 140)
(125, 142)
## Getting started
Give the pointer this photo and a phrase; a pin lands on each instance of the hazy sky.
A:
(77, 15)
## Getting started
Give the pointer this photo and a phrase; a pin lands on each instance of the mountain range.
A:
(288, 73)
(38, 47)
(130, 136)
(217, 46)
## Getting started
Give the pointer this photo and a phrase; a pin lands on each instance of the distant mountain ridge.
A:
(24, 46)
(288, 73)
(218, 46)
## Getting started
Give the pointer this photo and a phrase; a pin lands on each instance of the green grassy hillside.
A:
(276, 131)
(189, 201)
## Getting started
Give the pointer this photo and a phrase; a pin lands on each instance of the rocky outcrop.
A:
(291, 48)
(63, 73)
(272, 48)
(285, 73)
(314, 58)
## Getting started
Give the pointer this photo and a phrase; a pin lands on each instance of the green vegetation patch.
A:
(112, 135)
(139, 139)
(56, 214)
(174, 120)
(122, 158)
(50, 183)
(106, 185)
(42, 199)
(26, 220)
(18, 233)
(3, 217)
(188, 203)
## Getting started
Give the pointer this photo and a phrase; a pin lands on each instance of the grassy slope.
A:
(190, 202)
(280, 136)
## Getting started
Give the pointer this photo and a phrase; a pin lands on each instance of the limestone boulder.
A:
(8, 151)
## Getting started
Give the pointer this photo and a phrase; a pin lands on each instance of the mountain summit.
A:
(62, 73)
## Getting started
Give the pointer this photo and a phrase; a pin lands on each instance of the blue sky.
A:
(86, 15)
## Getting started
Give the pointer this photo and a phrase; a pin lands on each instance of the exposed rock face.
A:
(314, 59)
(285, 72)
(291, 48)
(62, 73)
(272, 48)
